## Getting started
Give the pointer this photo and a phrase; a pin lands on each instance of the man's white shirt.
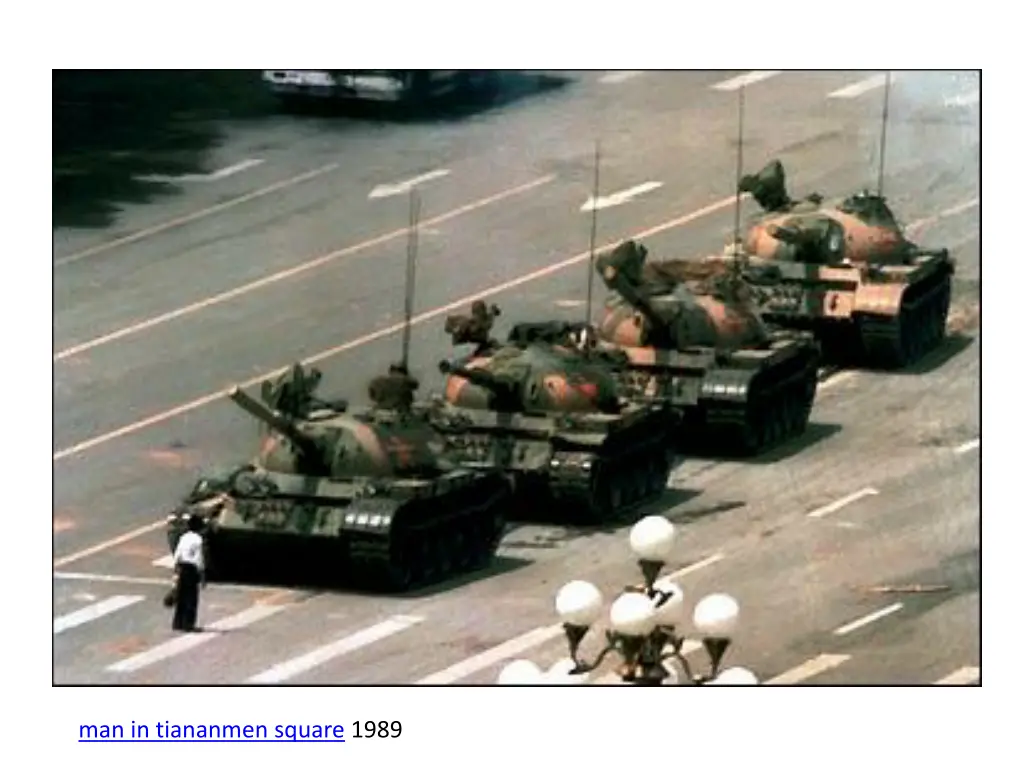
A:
(189, 550)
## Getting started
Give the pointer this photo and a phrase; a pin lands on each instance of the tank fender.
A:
(885, 299)
(727, 385)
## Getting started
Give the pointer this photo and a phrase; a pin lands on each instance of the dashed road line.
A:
(113, 542)
(809, 669)
(276, 277)
(620, 197)
(859, 88)
(963, 676)
(964, 99)
(404, 187)
(614, 78)
(196, 215)
(838, 504)
(289, 669)
(491, 656)
(863, 621)
(93, 612)
(740, 81)
(395, 328)
(187, 642)
(970, 445)
(223, 173)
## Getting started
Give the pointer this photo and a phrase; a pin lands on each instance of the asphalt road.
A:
(149, 330)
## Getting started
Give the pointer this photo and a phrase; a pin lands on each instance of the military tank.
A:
(365, 495)
(693, 339)
(549, 415)
(846, 272)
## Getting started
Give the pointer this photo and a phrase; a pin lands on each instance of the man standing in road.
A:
(190, 570)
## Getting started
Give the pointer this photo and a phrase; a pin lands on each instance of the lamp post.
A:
(643, 623)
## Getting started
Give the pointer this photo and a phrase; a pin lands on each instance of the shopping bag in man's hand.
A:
(171, 597)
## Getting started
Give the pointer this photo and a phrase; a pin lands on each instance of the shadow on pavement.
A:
(112, 128)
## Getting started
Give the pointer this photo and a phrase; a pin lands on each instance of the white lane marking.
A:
(838, 504)
(305, 266)
(288, 669)
(970, 445)
(404, 187)
(688, 647)
(614, 78)
(192, 640)
(963, 676)
(964, 99)
(153, 581)
(167, 561)
(93, 612)
(61, 561)
(223, 173)
(756, 76)
(863, 621)
(569, 303)
(838, 378)
(196, 215)
(956, 209)
(618, 198)
(809, 668)
(859, 88)
(537, 274)
(687, 570)
(506, 650)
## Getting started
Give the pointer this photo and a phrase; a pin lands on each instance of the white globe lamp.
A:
(652, 538)
(578, 603)
(520, 672)
(716, 616)
(633, 615)
(735, 676)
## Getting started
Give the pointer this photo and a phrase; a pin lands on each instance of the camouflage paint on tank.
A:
(548, 378)
(862, 242)
(676, 304)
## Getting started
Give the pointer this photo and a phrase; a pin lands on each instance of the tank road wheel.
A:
(751, 433)
(606, 496)
(402, 568)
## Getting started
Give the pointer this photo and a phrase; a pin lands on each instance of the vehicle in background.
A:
(406, 87)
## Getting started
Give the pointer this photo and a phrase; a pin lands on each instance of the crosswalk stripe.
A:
(688, 647)
(92, 612)
(963, 676)
(193, 640)
(853, 90)
(288, 669)
(167, 561)
(756, 76)
(506, 650)
(809, 668)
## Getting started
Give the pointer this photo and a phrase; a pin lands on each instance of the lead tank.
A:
(848, 273)
(365, 495)
(693, 339)
(551, 416)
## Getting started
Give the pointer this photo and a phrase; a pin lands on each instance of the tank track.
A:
(920, 326)
(600, 487)
(775, 406)
(430, 539)
(428, 545)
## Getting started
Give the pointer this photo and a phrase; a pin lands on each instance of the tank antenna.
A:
(593, 230)
(410, 274)
(885, 121)
(739, 171)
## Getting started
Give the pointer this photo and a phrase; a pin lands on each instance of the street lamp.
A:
(643, 624)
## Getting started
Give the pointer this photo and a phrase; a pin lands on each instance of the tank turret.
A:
(695, 340)
(544, 409)
(651, 306)
(848, 273)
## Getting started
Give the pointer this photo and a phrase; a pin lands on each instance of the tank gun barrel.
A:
(271, 418)
(618, 279)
